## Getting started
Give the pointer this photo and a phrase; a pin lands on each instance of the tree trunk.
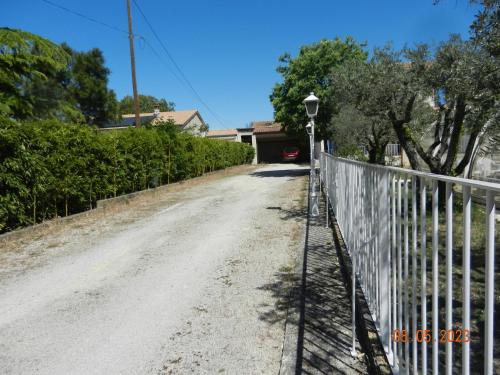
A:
(34, 209)
(407, 146)
(442, 195)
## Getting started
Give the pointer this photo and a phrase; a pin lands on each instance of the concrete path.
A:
(325, 333)
(184, 286)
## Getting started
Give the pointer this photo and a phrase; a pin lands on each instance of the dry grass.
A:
(478, 240)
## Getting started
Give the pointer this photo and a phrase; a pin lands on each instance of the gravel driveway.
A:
(193, 284)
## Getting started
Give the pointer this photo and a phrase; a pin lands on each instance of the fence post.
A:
(423, 229)
(490, 284)
(384, 254)
(466, 278)
(371, 206)
(326, 185)
(435, 277)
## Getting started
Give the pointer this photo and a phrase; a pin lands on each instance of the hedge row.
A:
(50, 169)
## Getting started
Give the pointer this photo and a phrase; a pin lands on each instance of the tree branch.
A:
(458, 120)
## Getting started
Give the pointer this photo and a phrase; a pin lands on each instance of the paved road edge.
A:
(288, 362)
(118, 203)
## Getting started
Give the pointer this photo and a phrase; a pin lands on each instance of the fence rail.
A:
(408, 256)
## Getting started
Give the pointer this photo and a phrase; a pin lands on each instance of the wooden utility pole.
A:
(132, 63)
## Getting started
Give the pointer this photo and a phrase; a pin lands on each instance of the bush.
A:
(48, 168)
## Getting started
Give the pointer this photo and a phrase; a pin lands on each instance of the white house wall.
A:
(193, 126)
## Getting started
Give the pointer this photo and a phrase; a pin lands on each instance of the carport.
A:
(267, 138)
(269, 147)
(270, 140)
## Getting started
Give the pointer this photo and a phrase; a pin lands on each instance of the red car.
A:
(290, 153)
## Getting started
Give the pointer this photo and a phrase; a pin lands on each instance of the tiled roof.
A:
(129, 120)
(221, 132)
(266, 127)
(178, 117)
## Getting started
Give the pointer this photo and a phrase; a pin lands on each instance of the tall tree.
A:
(147, 104)
(445, 94)
(486, 26)
(89, 87)
(52, 98)
(310, 71)
(353, 130)
(25, 57)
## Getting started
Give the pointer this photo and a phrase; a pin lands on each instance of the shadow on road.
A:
(318, 303)
(281, 173)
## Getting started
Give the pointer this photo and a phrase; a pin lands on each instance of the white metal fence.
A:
(409, 254)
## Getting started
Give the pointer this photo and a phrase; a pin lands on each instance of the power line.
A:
(85, 17)
(182, 78)
(114, 28)
(174, 73)
(157, 54)
(132, 64)
(171, 58)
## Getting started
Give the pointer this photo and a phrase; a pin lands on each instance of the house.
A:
(268, 138)
(189, 121)
(223, 134)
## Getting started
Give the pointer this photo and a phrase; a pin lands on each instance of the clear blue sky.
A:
(229, 49)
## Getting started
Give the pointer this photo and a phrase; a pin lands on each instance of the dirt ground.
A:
(172, 285)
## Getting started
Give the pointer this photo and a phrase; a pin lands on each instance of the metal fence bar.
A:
(384, 261)
(466, 278)
(372, 206)
(414, 273)
(326, 185)
(435, 275)
(449, 275)
(394, 267)
(423, 261)
(490, 283)
(406, 290)
(400, 271)
(377, 203)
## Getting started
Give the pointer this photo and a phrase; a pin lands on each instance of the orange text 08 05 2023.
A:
(426, 335)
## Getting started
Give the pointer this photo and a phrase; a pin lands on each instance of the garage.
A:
(271, 140)
(269, 149)
(268, 139)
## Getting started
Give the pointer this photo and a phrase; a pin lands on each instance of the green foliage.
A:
(25, 57)
(431, 98)
(41, 80)
(353, 130)
(88, 87)
(48, 168)
(147, 104)
(486, 26)
(310, 71)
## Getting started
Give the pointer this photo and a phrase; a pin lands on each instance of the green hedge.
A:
(50, 169)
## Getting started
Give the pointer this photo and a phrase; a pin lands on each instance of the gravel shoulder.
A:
(180, 285)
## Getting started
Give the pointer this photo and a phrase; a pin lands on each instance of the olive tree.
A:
(445, 93)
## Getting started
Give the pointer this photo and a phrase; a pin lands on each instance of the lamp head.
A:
(312, 104)
(309, 128)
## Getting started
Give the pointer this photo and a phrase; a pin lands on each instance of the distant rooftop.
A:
(266, 127)
(256, 127)
(178, 117)
(222, 133)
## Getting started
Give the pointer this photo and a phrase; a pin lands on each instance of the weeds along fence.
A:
(50, 169)
(424, 255)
